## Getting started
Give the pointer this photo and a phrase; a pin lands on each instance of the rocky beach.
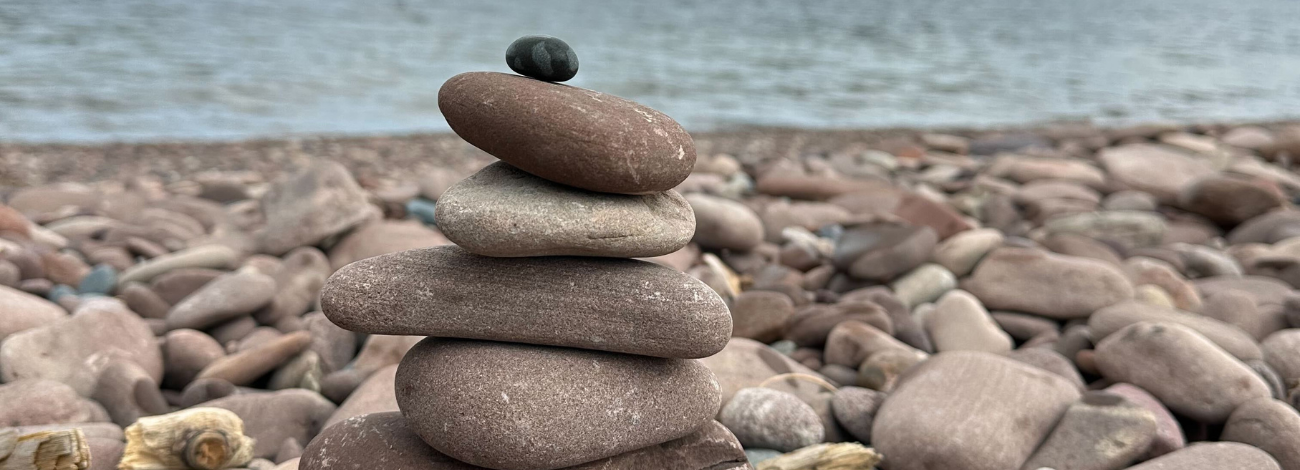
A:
(572, 281)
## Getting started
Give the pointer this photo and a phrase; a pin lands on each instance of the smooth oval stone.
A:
(761, 315)
(1102, 431)
(722, 223)
(772, 419)
(969, 410)
(225, 298)
(748, 363)
(882, 251)
(542, 57)
(1051, 285)
(1282, 352)
(960, 323)
(383, 440)
(855, 409)
(568, 135)
(38, 401)
(618, 305)
(1270, 425)
(379, 238)
(271, 418)
(100, 280)
(504, 211)
(1114, 318)
(206, 256)
(1212, 456)
(1187, 372)
(22, 311)
(312, 205)
(378, 394)
(244, 367)
(544, 407)
(1169, 435)
(185, 354)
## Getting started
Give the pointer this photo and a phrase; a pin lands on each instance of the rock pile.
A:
(548, 348)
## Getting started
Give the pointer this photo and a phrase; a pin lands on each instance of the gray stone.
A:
(547, 407)
(761, 417)
(961, 252)
(882, 251)
(1270, 425)
(923, 284)
(960, 323)
(1169, 435)
(1054, 286)
(542, 57)
(855, 410)
(316, 203)
(21, 311)
(205, 256)
(128, 393)
(1213, 456)
(225, 298)
(270, 418)
(761, 315)
(1112, 319)
(607, 304)
(1282, 352)
(377, 394)
(504, 211)
(380, 238)
(244, 367)
(1101, 432)
(32, 402)
(297, 285)
(1155, 169)
(724, 224)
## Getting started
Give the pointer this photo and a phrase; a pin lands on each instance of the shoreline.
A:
(400, 156)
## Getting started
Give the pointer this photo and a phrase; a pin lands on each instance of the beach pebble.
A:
(377, 394)
(30, 402)
(225, 298)
(724, 224)
(812, 325)
(334, 345)
(1282, 352)
(297, 284)
(1112, 319)
(961, 252)
(205, 390)
(761, 417)
(561, 301)
(1101, 431)
(882, 251)
(144, 301)
(382, 237)
(969, 410)
(20, 311)
(271, 417)
(318, 202)
(960, 323)
(542, 57)
(1186, 371)
(101, 279)
(74, 350)
(186, 353)
(855, 409)
(1142, 270)
(1048, 360)
(747, 363)
(1127, 229)
(174, 286)
(627, 148)
(1046, 284)
(504, 211)
(1169, 435)
(1229, 200)
(128, 393)
(547, 407)
(761, 315)
(244, 367)
(205, 256)
(1154, 169)
(1212, 456)
(1270, 425)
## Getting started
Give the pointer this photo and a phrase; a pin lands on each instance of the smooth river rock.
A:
(724, 224)
(1236, 341)
(504, 211)
(225, 298)
(1051, 285)
(545, 407)
(1268, 424)
(542, 57)
(969, 410)
(1186, 371)
(22, 311)
(316, 203)
(1213, 456)
(618, 305)
(771, 419)
(568, 135)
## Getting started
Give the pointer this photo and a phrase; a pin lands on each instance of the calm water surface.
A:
(98, 70)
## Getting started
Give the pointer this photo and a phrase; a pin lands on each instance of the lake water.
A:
(98, 70)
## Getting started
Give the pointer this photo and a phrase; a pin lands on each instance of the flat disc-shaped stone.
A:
(504, 211)
(543, 58)
(608, 304)
(522, 407)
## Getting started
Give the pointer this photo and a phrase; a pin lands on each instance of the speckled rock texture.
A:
(504, 211)
(618, 305)
(522, 407)
(568, 135)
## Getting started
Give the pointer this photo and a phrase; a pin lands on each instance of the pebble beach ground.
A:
(1061, 297)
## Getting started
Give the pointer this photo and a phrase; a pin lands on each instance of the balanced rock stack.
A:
(548, 347)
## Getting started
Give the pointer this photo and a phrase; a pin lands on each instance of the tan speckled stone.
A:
(618, 305)
(504, 211)
(521, 407)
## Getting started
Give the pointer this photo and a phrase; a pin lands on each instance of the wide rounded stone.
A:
(1114, 318)
(748, 363)
(1155, 169)
(1051, 285)
(271, 418)
(76, 349)
(186, 353)
(724, 224)
(225, 298)
(1100, 432)
(607, 304)
(882, 251)
(771, 419)
(1187, 372)
(1282, 352)
(761, 315)
(297, 284)
(1228, 200)
(37, 401)
(383, 440)
(316, 203)
(378, 394)
(542, 57)
(1213, 456)
(504, 211)
(568, 135)
(545, 407)
(969, 410)
(1270, 425)
(22, 311)
(852, 342)
(961, 252)
(246, 366)
(205, 256)
(379, 238)
(1169, 435)
(855, 410)
(960, 323)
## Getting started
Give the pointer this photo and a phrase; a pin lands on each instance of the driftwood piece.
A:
(843, 456)
(197, 438)
(45, 450)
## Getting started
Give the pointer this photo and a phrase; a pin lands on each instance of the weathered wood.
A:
(45, 450)
(197, 438)
(842, 456)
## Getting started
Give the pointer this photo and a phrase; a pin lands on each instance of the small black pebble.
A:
(542, 57)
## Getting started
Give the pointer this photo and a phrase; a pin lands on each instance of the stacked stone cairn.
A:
(548, 346)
